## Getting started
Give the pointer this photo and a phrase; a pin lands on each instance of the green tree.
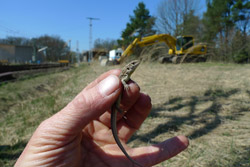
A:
(191, 25)
(218, 18)
(241, 13)
(141, 21)
(57, 48)
(221, 16)
(240, 47)
(221, 23)
(16, 41)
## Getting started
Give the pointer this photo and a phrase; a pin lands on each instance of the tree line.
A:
(224, 26)
(57, 48)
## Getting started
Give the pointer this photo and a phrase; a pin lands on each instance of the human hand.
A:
(80, 134)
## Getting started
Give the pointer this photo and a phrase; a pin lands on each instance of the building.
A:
(96, 53)
(18, 54)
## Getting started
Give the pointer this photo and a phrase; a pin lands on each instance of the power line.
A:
(90, 36)
(8, 30)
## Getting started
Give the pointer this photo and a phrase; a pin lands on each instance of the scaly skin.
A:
(127, 71)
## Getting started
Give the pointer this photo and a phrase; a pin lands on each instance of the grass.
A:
(208, 102)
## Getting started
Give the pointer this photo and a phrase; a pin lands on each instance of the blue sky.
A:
(67, 18)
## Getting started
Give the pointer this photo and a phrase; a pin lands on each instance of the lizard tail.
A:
(114, 131)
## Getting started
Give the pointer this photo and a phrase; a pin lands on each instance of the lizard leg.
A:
(125, 85)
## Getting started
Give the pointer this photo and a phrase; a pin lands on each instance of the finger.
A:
(130, 96)
(128, 99)
(152, 155)
(88, 105)
(134, 117)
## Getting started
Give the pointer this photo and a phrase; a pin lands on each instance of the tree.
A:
(222, 20)
(57, 48)
(171, 14)
(241, 13)
(221, 16)
(240, 47)
(16, 41)
(141, 21)
(107, 44)
(218, 18)
(191, 25)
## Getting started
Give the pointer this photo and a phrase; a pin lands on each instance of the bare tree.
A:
(171, 14)
(107, 44)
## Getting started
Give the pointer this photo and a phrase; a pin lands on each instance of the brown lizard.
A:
(126, 72)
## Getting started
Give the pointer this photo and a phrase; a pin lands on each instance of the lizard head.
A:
(132, 66)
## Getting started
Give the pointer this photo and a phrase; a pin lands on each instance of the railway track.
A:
(13, 72)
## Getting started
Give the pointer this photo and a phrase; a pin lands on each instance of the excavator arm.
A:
(147, 41)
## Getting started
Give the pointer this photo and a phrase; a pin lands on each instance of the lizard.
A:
(124, 76)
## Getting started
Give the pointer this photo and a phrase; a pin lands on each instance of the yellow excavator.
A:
(182, 48)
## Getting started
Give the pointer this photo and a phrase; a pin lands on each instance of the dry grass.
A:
(209, 103)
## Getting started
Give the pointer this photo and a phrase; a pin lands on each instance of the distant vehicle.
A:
(115, 54)
(63, 62)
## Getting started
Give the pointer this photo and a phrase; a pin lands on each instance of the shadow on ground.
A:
(10, 153)
(210, 117)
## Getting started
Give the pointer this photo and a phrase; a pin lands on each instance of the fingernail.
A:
(108, 85)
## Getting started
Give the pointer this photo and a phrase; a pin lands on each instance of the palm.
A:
(95, 146)
(99, 148)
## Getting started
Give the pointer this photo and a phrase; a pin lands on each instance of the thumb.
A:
(88, 105)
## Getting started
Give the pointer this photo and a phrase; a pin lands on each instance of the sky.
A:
(68, 18)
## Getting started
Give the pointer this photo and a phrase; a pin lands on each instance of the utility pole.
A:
(90, 37)
(69, 44)
(77, 53)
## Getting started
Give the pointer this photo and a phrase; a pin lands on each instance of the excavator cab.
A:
(184, 43)
(186, 49)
